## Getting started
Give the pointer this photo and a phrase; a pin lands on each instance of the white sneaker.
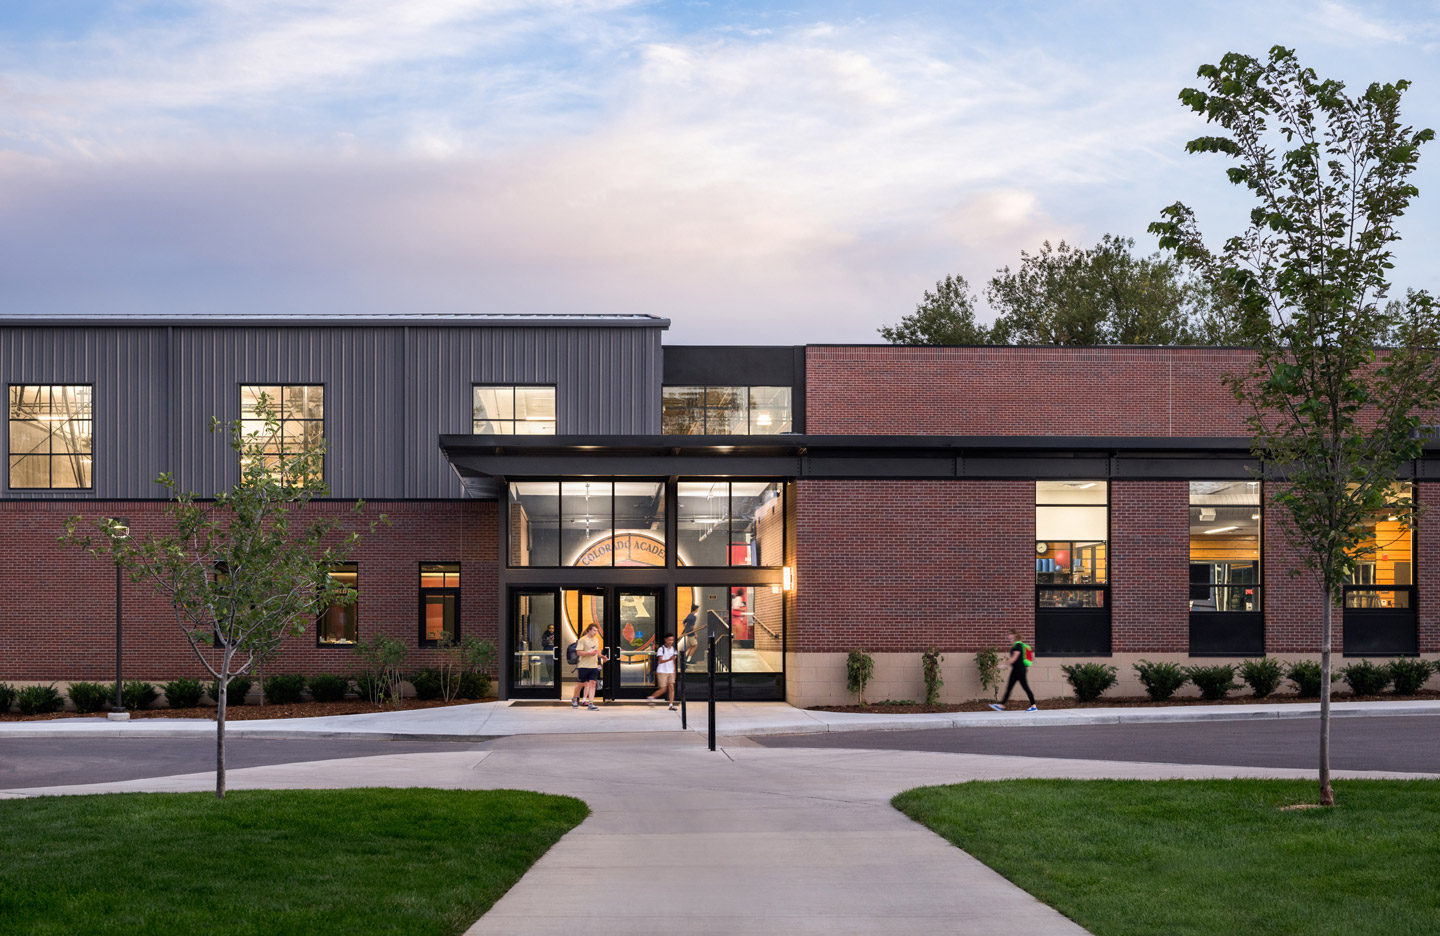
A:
(574, 703)
(997, 706)
(672, 708)
(1032, 709)
(593, 708)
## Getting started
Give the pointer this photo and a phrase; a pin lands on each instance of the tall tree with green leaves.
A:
(1335, 415)
(246, 569)
(945, 316)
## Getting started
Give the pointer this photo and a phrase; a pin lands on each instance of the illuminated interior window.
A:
(500, 409)
(51, 436)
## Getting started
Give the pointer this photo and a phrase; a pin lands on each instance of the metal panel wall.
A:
(127, 368)
(390, 391)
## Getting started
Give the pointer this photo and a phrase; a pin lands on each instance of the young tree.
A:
(945, 316)
(245, 570)
(1334, 415)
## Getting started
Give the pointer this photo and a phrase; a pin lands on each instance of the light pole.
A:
(119, 530)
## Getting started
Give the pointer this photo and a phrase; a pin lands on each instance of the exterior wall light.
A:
(789, 578)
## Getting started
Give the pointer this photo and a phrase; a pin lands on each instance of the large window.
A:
(589, 522)
(439, 602)
(748, 623)
(51, 433)
(511, 410)
(339, 625)
(1384, 572)
(299, 410)
(1072, 524)
(1225, 546)
(731, 523)
(725, 410)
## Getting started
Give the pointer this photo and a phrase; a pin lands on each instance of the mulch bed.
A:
(255, 712)
(983, 705)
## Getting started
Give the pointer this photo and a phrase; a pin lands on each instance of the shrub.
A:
(1305, 674)
(1214, 682)
(473, 685)
(1160, 679)
(1263, 676)
(1366, 678)
(183, 693)
(377, 669)
(284, 688)
(39, 700)
(426, 683)
(329, 687)
(859, 667)
(235, 693)
(7, 697)
(987, 661)
(1409, 675)
(90, 696)
(136, 695)
(1089, 680)
(930, 662)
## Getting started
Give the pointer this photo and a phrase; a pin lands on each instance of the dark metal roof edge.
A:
(393, 319)
(821, 444)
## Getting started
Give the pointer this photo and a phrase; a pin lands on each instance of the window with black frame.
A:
(51, 436)
(1225, 546)
(339, 624)
(694, 410)
(439, 602)
(507, 409)
(1072, 523)
(1383, 576)
(731, 523)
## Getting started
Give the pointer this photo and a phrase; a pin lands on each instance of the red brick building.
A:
(542, 473)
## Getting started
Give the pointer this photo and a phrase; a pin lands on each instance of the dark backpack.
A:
(572, 655)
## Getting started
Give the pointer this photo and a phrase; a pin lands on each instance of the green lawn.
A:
(1179, 857)
(312, 862)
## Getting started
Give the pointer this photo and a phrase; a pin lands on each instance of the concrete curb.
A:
(804, 723)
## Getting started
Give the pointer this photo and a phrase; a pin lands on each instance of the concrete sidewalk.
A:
(733, 719)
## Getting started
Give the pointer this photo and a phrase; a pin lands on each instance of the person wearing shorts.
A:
(588, 673)
(665, 672)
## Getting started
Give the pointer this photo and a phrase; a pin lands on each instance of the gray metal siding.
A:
(390, 392)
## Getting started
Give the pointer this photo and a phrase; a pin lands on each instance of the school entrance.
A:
(544, 622)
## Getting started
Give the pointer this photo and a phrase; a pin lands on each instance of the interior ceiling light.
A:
(1081, 484)
(1255, 516)
(1207, 514)
(1223, 529)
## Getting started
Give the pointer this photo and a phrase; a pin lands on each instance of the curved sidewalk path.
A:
(745, 840)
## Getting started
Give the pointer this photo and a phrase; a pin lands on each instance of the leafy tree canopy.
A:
(946, 316)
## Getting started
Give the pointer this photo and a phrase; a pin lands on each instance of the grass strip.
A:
(1201, 857)
(272, 862)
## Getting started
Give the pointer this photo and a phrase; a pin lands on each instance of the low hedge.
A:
(39, 700)
(284, 688)
(90, 697)
(329, 687)
(1089, 680)
(183, 693)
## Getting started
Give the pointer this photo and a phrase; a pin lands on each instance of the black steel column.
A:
(710, 671)
(119, 705)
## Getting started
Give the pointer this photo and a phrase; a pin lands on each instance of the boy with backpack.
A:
(1021, 656)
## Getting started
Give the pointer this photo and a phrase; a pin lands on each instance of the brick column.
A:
(1293, 605)
(1149, 566)
(1427, 566)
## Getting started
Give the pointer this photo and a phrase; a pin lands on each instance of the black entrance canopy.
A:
(484, 462)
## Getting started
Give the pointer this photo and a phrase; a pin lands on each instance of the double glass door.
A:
(544, 622)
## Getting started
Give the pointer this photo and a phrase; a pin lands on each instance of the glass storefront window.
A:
(727, 410)
(639, 523)
(534, 522)
(748, 623)
(585, 525)
(769, 410)
(339, 625)
(1072, 531)
(703, 519)
(504, 409)
(1385, 555)
(757, 526)
(1225, 546)
(682, 410)
(51, 436)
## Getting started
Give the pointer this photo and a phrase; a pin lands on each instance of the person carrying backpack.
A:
(1021, 656)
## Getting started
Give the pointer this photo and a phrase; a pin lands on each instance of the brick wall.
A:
(1150, 566)
(901, 565)
(1022, 391)
(1427, 565)
(1293, 604)
(58, 618)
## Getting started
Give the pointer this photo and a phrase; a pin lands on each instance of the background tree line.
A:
(1068, 295)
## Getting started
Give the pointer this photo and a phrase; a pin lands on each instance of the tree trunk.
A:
(1327, 795)
(224, 682)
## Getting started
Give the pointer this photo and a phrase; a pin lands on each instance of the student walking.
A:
(1021, 656)
(665, 672)
(587, 648)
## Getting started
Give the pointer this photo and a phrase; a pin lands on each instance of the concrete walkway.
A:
(747, 840)
(733, 719)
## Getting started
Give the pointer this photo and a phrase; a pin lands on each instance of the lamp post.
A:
(119, 529)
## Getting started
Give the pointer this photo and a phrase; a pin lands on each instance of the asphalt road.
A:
(37, 762)
(1408, 744)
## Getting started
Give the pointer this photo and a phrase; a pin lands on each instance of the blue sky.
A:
(755, 172)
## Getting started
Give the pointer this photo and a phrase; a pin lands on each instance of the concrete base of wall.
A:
(819, 678)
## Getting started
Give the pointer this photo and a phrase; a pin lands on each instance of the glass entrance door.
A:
(535, 648)
(633, 631)
(544, 622)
